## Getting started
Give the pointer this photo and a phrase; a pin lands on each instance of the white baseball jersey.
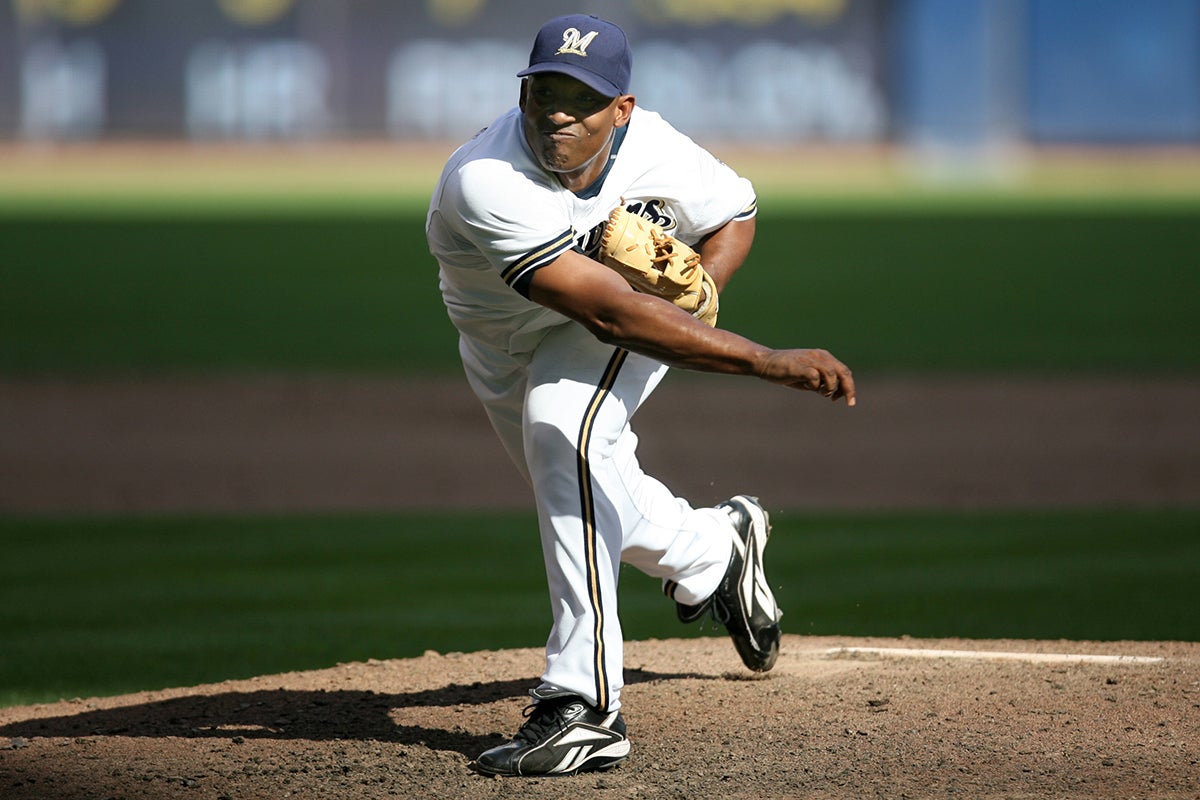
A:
(496, 216)
(560, 400)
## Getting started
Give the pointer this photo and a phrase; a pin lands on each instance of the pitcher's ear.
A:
(625, 104)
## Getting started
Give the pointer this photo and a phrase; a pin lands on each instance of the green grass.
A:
(970, 291)
(93, 606)
(118, 294)
(981, 286)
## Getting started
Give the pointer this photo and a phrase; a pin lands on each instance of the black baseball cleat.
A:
(743, 601)
(563, 736)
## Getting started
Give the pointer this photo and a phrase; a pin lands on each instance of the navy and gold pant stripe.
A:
(588, 516)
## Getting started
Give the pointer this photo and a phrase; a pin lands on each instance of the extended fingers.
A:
(846, 388)
(836, 380)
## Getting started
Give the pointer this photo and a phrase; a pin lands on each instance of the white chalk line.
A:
(991, 655)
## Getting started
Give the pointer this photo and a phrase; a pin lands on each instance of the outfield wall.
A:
(926, 73)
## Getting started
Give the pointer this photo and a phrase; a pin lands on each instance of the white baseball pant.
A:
(562, 412)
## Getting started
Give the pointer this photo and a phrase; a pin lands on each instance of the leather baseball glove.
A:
(656, 263)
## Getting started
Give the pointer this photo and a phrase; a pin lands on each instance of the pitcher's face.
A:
(569, 125)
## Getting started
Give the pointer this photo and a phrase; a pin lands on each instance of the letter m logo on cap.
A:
(574, 43)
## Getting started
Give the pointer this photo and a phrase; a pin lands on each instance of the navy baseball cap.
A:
(585, 47)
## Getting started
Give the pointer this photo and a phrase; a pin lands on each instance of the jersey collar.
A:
(593, 188)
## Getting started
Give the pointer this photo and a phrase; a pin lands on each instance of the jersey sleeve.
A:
(704, 192)
(713, 194)
(506, 217)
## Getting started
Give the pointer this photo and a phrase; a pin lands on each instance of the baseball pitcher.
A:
(583, 243)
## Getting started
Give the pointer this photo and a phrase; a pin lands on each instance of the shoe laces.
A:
(542, 718)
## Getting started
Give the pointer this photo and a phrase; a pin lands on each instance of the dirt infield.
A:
(283, 444)
(835, 719)
(828, 722)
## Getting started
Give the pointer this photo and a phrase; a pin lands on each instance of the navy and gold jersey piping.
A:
(749, 211)
(520, 272)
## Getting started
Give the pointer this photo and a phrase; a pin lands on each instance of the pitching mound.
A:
(836, 718)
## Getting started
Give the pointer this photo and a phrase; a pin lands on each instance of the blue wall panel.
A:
(1114, 70)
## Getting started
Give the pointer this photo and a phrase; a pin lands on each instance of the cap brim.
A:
(601, 85)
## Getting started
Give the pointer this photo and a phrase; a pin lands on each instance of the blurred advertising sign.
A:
(756, 70)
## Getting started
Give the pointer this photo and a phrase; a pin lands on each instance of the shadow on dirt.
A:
(322, 715)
